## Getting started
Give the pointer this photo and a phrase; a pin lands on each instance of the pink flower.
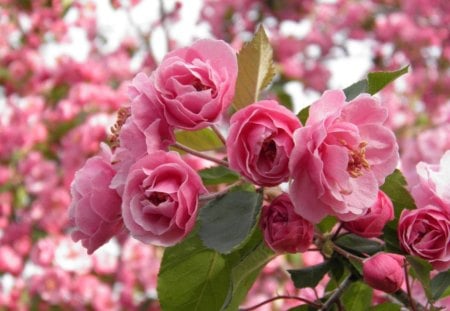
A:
(194, 85)
(371, 224)
(341, 157)
(95, 209)
(160, 199)
(384, 271)
(260, 141)
(434, 184)
(425, 232)
(284, 230)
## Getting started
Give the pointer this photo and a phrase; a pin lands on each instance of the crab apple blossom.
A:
(160, 199)
(283, 229)
(425, 232)
(384, 271)
(371, 224)
(94, 212)
(195, 85)
(260, 141)
(341, 157)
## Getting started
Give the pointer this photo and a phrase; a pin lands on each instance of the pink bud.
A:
(384, 272)
(371, 224)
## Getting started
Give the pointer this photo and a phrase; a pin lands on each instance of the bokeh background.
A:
(65, 66)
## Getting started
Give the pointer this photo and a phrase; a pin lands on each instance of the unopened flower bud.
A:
(384, 272)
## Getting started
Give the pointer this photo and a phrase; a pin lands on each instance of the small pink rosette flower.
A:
(384, 271)
(95, 213)
(194, 85)
(283, 229)
(425, 232)
(341, 157)
(260, 142)
(160, 199)
(371, 224)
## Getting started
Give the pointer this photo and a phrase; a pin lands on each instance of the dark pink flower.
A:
(384, 271)
(284, 230)
(160, 199)
(94, 212)
(260, 141)
(341, 157)
(371, 224)
(425, 232)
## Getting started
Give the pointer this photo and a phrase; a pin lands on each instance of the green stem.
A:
(337, 294)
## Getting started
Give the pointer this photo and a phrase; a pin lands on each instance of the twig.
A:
(280, 297)
(200, 154)
(408, 289)
(214, 195)
(219, 134)
(337, 294)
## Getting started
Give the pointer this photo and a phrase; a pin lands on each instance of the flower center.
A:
(199, 86)
(357, 159)
(269, 150)
(157, 198)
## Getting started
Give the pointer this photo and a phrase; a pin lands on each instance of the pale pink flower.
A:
(260, 141)
(341, 157)
(95, 209)
(160, 199)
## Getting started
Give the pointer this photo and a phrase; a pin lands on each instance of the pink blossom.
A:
(371, 224)
(160, 200)
(260, 141)
(195, 85)
(384, 271)
(425, 232)
(52, 286)
(10, 260)
(95, 209)
(434, 184)
(284, 230)
(341, 157)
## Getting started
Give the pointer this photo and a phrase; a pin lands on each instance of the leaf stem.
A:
(280, 297)
(337, 294)
(214, 195)
(219, 134)
(346, 254)
(199, 154)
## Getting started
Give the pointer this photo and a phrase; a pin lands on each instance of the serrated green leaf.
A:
(359, 245)
(218, 175)
(303, 115)
(395, 187)
(309, 276)
(227, 221)
(421, 270)
(246, 264)
(192, 277)
(390, 238)
(439, 284)
(357, 297)
(355, 89)
(200, 140)
(255, 69)
(378, 80)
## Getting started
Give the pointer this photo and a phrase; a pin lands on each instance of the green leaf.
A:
(395, 187)
(378, 80)
(200, 140)
(439, 284)
(355, 89)
(309, 276)
(357, 244)
(218, 175)
(421, 270)
(387, 306)
(357, 297)
(256, 69)
(192, 277)
(227, 221)
(303, 115)
(374, 83)
(303, 307)
(246, 265)
(327, 224)
(390, 238)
